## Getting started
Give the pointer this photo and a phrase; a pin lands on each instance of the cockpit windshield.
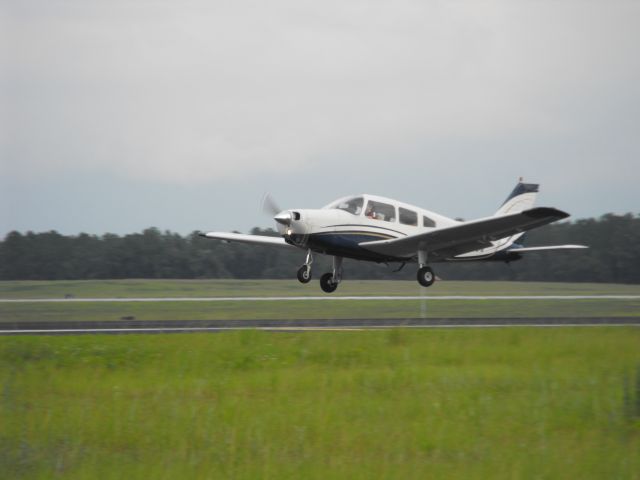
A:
(351, 205)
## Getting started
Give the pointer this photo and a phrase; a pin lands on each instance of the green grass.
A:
(249, 288)
(438, 404)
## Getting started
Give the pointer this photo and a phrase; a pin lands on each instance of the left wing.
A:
(255, 239)
(466, 237)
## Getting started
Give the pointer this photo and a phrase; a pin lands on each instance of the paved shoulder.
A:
(321, 298)
(183, 326)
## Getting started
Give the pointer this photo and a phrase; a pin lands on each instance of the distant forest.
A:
(613, 256)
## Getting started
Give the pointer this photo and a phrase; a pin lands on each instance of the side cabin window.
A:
(380, 211)
(427, 222)
(352, 205)
(408, 217)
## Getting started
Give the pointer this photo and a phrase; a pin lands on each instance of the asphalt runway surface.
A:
(186, 326)
(324, 298)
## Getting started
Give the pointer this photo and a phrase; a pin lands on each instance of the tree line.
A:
(613, 256)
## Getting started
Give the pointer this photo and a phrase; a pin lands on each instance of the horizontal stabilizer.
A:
(549, 247)
(243, 238)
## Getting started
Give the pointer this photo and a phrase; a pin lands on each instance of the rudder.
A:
(521, 198)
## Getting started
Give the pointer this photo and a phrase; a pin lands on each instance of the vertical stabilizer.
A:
(522, 198)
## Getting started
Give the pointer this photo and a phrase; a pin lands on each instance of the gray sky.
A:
(119, 115)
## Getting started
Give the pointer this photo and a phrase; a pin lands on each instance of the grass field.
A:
(16, 312)
(469, 404)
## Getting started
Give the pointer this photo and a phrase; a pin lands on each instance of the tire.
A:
(327, 284)
(304, 274)
(426, 277)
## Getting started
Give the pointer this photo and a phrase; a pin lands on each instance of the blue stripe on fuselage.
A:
(346, 244)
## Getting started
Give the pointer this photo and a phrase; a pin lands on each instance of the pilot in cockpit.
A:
(370, 213)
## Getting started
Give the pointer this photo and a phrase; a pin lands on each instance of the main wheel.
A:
(426, 276)
(304, 274)
(327, 284)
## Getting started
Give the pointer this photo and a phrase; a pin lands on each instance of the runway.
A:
(323, 298)
(187, 326)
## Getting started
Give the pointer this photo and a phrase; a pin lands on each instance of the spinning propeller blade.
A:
(269, 205)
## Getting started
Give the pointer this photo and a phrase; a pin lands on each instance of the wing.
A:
(255, 239)
(465, 237)
(549, 247)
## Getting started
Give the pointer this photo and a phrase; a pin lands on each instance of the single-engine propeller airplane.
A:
(378, 229)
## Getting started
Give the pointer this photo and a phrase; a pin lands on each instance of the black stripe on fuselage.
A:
(370, 236)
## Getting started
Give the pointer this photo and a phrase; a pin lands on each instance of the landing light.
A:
(289, 232)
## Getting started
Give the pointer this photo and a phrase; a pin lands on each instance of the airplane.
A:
(378, 229)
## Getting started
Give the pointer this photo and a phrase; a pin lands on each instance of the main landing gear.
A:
(426, 277)
(327, 284)
(330, 281)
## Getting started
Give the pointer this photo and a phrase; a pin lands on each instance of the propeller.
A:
(269, 205)
(271, 208)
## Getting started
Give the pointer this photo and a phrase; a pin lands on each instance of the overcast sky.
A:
(119, 115)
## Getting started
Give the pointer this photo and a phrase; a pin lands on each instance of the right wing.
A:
(242, 238)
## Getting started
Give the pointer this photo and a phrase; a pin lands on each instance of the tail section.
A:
(522, 198)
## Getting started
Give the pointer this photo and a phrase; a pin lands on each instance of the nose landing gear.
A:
(304, 272)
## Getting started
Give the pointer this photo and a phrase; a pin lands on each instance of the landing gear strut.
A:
(426, 277)
(330, 281)
(304, 272)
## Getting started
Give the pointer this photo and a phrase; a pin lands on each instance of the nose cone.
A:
(283, 218)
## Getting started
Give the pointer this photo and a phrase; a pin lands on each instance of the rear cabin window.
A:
(408, 217)
(352, 205)
(427, 222)
(380, 211)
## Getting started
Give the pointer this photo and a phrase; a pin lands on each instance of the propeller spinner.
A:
(283, 217)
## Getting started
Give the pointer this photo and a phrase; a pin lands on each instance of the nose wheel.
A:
(304, 274)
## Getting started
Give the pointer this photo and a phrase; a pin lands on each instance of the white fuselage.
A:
(338, 231)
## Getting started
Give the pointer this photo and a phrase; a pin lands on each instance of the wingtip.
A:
(542, 212)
